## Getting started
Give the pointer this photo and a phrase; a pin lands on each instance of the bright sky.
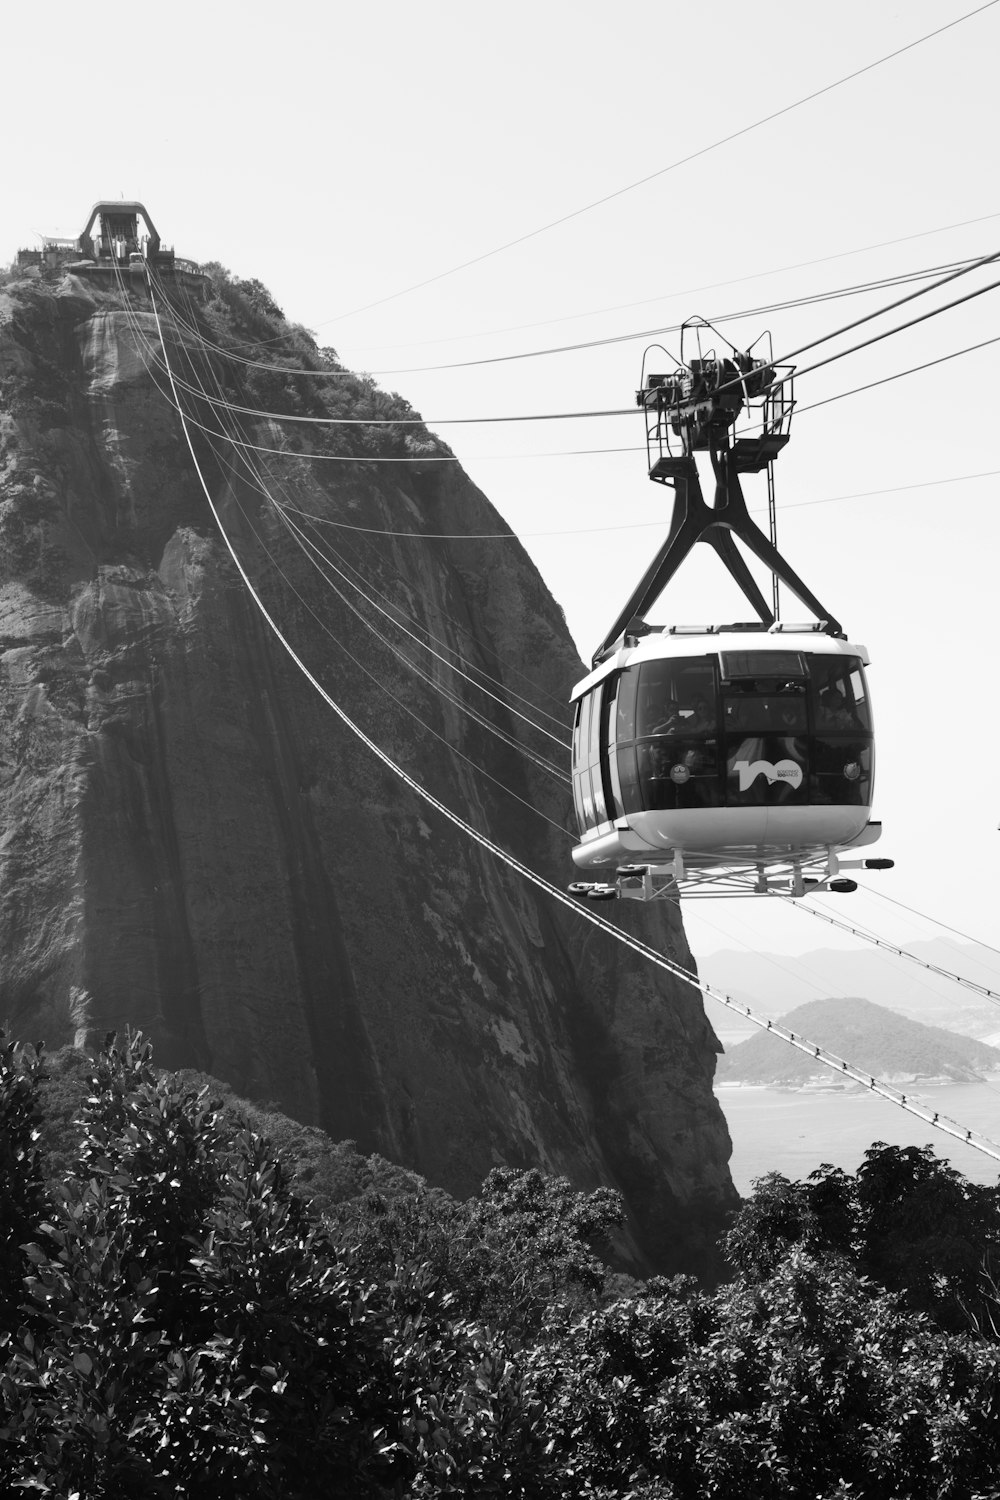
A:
(343, 154)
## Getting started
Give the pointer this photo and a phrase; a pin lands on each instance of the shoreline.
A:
(816, 1085)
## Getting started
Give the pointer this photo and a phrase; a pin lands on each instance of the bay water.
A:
(794, 1131)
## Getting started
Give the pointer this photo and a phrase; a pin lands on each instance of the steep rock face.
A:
(194, 844)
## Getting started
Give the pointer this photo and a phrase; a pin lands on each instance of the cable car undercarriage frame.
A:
(721, 760)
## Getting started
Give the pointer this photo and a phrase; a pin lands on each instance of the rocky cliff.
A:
(192, 843)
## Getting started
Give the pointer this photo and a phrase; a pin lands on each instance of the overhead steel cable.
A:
(299, 418)
(962, 270)
(380, 684)
(514, 536)
(688, 291)
(871, 937)
(503, 702)
(734, 135)
(558, 773)
(325, 562)
(459, 625)
(737, 383)
(789, 304)
(651, 955)
(877, 338)
(588, 452)
(923, 917)
(894, 949)
(797, 970)
(984, 260)
(888, 379)
(322, 562)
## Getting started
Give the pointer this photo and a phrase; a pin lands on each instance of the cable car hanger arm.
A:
(693, 521)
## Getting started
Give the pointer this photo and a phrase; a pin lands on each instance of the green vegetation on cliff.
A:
(882, 1041)
(178, 1320)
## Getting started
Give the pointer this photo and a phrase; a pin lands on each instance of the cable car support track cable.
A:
(938, 1121)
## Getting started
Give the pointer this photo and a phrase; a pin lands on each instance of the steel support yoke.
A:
(693, 521)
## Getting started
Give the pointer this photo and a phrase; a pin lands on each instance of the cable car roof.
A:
(711, 640)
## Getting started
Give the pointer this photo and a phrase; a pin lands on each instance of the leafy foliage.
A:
(180, 1321)
(812, 1382)
(22, 1198)
(906, 1219)
(503, 1258)
(185, 1320)
(284, 360)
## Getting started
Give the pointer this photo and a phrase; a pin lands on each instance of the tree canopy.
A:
(178, 1319)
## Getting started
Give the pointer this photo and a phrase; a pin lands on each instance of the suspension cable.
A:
(672, 167)
(888, 379)
(570, 452)
(689, 291)
(789, 304)
(307, 547)
(568, 416)
(504, 703)
(556, 772)
(870, 937)
(965, 936)
(378, 681)
(244, 447)
(940, 1122)
(901, 327)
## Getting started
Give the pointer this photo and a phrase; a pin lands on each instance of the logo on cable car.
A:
(781, 770)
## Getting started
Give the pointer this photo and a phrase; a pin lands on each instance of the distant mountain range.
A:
(881, 1041)
(774, 983)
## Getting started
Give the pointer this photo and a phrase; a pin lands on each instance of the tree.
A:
(22, 1185)
(924, 1230)
(906, 1219)
(504, 1257)
(189, 1331)
(810, 1382)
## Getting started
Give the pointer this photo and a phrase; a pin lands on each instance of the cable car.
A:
(721, 759)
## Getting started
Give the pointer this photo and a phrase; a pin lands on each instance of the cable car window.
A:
(859, 693)
(676, 696)
(766, 728)
(597, 718)
(582, 737)
(677, 734)
(578, 803)
(841, 771)
(762, 664)
(765, 706)
(610, 717)
(839, 696)
(582, 794)
(594, 744)
(625, 714)
(629, 779)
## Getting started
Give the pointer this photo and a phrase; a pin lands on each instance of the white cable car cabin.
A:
(711, 751)
(732, 759)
